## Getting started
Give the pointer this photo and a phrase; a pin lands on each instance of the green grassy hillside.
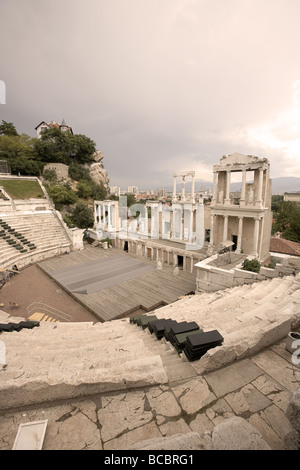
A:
(22, 189)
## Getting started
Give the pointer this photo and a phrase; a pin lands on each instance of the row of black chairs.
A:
(186, 337)
(8, 327)
(14, 238)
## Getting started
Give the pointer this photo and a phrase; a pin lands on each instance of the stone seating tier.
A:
(83, 358)
(42, 230)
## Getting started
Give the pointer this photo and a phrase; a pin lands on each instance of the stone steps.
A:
(62, 384)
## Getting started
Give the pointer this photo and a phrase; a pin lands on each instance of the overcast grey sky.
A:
(159, 85)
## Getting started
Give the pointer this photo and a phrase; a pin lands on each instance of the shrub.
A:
(251, 265)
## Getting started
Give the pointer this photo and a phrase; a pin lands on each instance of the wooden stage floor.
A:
(114, 284)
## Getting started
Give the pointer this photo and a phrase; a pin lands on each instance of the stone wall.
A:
(212, 278)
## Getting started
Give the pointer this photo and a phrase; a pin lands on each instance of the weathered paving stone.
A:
(174, 427)
(237, 434)
(284, 372)
(122, 413)
(248, 399)
(164, 403)
(201, 423)
(278, 421)
(273, 390)
(267, 385)
(221, 408)
(233, 377)
(266, 431)
(76, 433)
(189, 441)
(70, 427)
(128, 439)
(193, 395)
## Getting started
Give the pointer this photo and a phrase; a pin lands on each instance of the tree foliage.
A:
(7, 128)
(28, 156)
(82, 216)
(78, 172)
(64, 147)
(19, 153)
(61, 195)
(251, 265)
(287, 221)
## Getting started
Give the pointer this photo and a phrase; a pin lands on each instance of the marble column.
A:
(96, 213)
(260, 187)
(183, 189)
(225, 228)
(174, 199)
(227, 198)
(212, 220)
(243, 192)
(240, 234)
(108, 216)
(193, 189)
(256, 235)
(192, 265)
(214, 198)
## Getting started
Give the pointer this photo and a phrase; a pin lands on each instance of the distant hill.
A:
(279, 185)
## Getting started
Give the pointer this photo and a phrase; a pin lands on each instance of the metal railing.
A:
(47, 310)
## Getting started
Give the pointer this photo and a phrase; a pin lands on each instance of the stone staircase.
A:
(64, 360)
(249, 317)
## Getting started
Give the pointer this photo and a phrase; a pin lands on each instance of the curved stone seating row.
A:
(249, 318)
(64, 360)
(31, 234)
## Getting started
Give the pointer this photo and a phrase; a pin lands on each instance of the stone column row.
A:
(243, 190)
(240, 232)
(174, 198)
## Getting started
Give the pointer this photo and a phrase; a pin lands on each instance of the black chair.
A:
(197, 345)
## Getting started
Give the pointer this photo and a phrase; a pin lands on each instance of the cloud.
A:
(160, 86)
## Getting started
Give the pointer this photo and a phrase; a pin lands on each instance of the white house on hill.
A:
(43, 125)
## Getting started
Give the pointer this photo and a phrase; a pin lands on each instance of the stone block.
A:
(294, 263)
(188, 441)
(267, 272)
(284, 270)
(244, 274)
(293, 409)
(237, 434)
(232, 377)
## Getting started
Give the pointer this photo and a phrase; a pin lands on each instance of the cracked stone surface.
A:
(69, 426)
(194, 395)
(122, 413)
(164, 403)
(253, 390)
(247, 399)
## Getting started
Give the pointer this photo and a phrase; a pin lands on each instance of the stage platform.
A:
(114, 284)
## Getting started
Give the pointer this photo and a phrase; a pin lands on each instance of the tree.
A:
(19, 153)
(82, 216)
(82, 148)
(63, 147)
(61, 195)
(287, 221)
(84, 189)
(276, 200)
(251, 265)
(78, 172)
(8, 128)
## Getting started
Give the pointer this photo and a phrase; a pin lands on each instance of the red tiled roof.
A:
(281, 245)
